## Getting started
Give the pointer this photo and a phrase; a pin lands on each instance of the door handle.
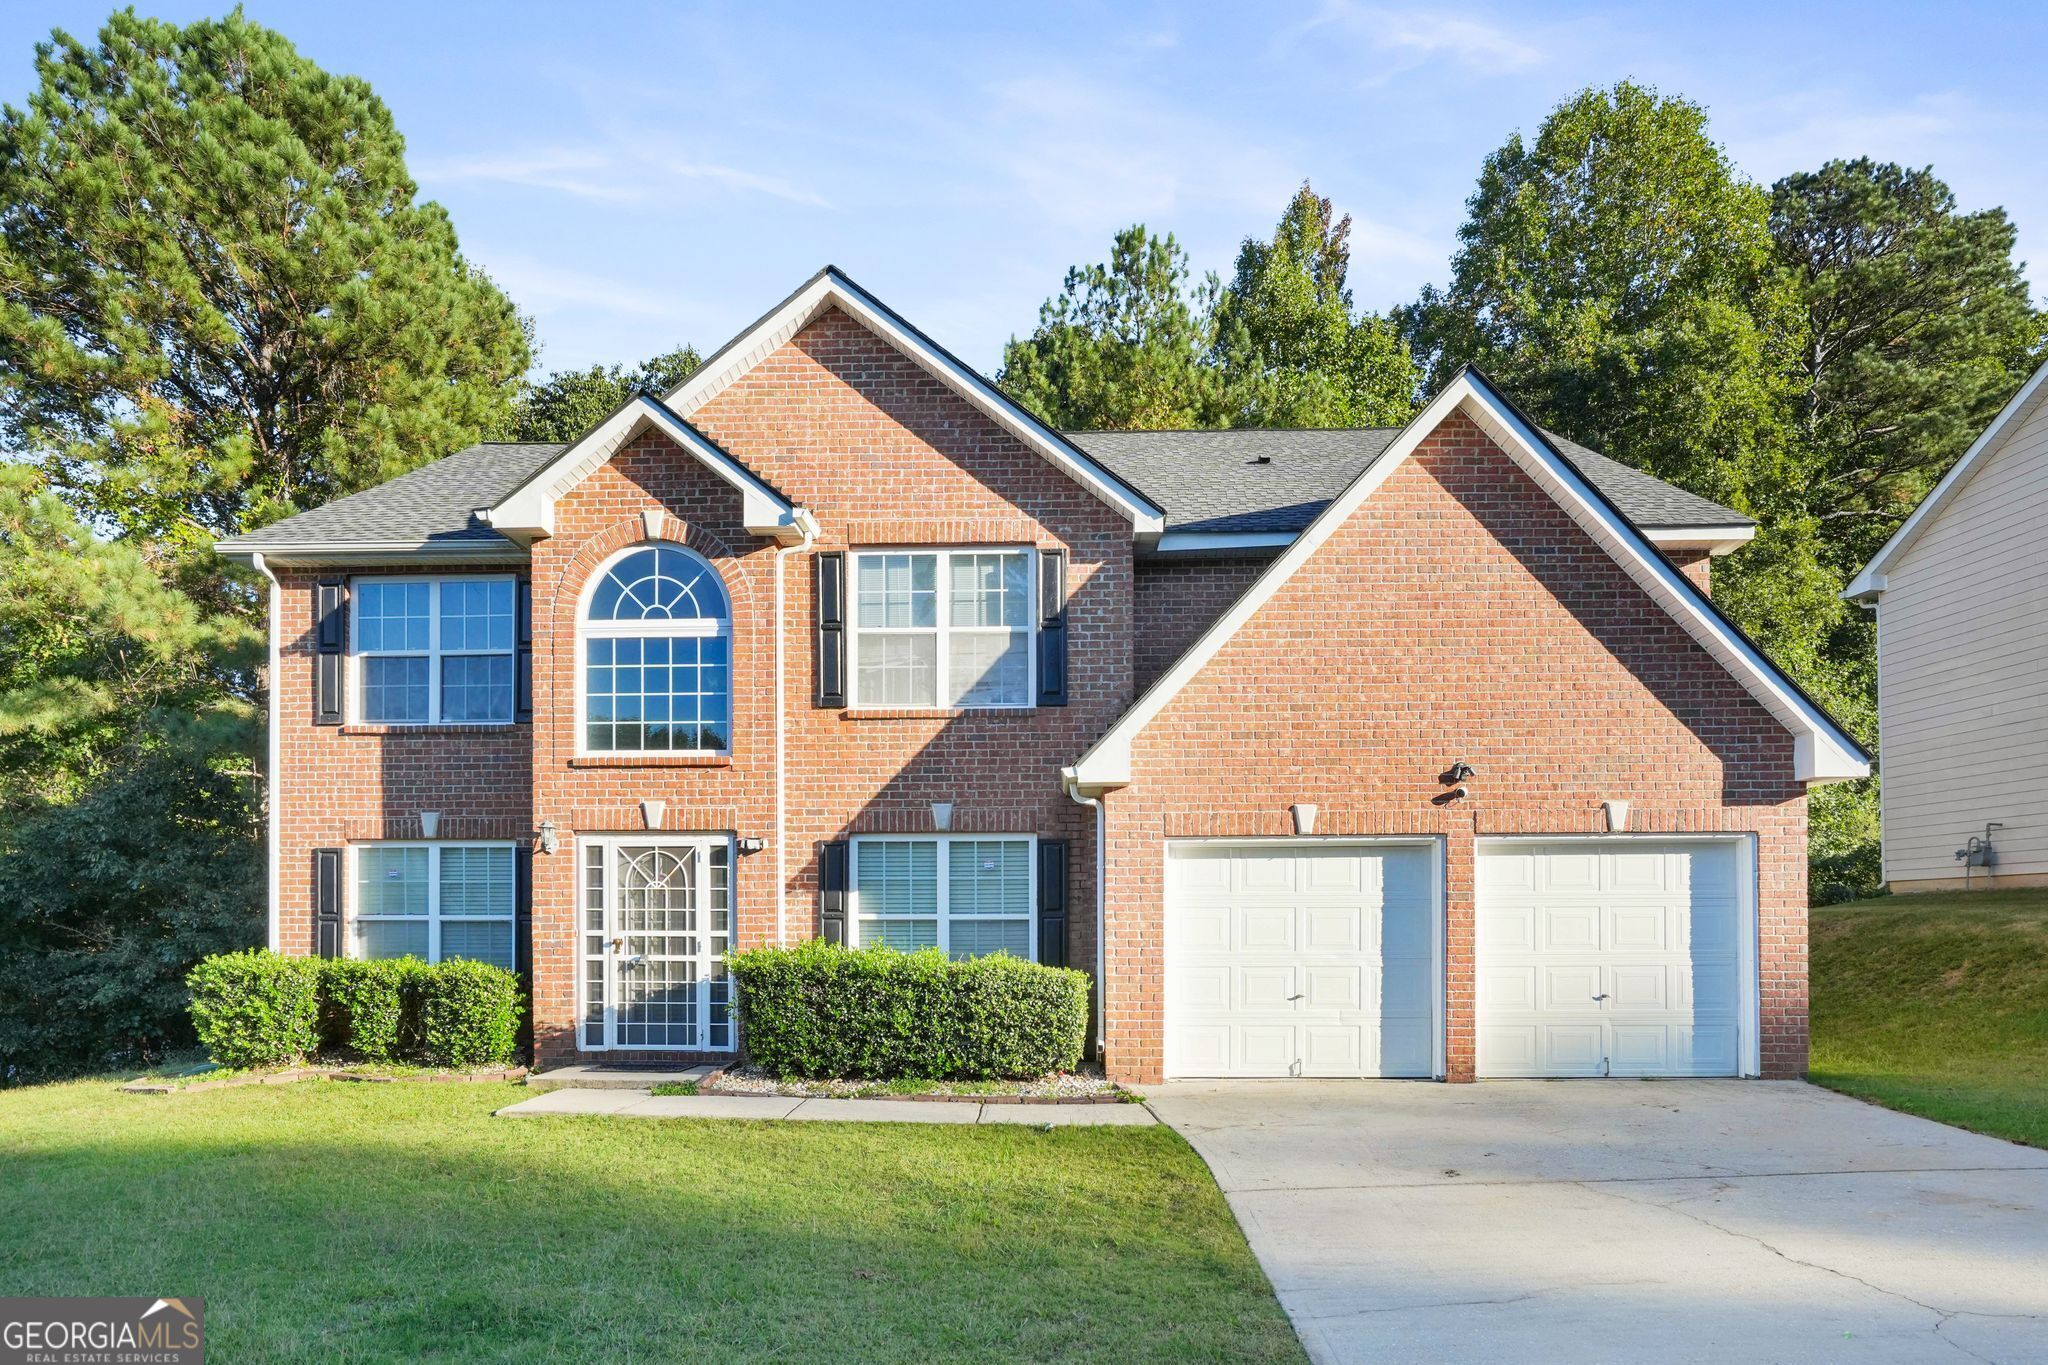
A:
(1601, 996)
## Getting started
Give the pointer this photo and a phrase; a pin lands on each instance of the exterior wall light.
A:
(752, 845)
(549, 841)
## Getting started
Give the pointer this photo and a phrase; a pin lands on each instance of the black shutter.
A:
(330, 639)
(327, 902)
(832, 892)
(522, 905)
(1052, 902)
(831, 628)
(1052, 628)
(523, 663)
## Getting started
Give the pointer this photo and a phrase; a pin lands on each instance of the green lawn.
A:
(388, 1222)
(1938, 1005)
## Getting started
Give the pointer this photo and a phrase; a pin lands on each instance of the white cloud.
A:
(584, 173)
(537, 283)
(1800, 131)
(1409, 38)
(772, 186)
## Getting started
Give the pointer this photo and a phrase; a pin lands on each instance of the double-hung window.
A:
(435, 650)
(435, 901)
(968, 895)
(942, 628)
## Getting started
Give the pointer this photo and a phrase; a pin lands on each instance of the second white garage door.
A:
(1300, 959)
(1612, 957)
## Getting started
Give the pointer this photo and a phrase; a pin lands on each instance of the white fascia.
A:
(1715, 540)
(529, 513)
(830, 289)
(1869, 585)
(1822, 751)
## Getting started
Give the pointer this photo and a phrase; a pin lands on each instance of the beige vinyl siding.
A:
(1963, 671)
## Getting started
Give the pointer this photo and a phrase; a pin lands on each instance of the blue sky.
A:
(641, 175)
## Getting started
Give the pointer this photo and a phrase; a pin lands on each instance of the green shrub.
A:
(469, 1014)
(877, 1014)
(256, 1008)
(372, 1009)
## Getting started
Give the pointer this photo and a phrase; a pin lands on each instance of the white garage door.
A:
(1611, 958)
(1300, 960)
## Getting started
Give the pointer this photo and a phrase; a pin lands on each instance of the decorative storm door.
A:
(657, 921)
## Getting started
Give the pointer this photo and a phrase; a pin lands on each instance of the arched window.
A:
(657, 656)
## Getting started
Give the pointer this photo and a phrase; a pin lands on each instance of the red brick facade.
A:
(1459, 615)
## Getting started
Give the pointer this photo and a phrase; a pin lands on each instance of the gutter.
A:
(1072, 786)
(807, 533)
(275, 744)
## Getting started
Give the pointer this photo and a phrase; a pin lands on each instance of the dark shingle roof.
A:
(436, 504)
(1206, 480)
(1212, 481)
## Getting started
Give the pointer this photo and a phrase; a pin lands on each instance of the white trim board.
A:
(1823, 752)
(1869, 585)
(529, 511)
(831, 289)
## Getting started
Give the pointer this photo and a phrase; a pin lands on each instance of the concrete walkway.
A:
(639, 1104)
(1590, 1221)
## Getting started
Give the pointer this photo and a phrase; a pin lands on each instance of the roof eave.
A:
(317, 553)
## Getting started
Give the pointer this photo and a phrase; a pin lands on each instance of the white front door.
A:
(1301, 959)
(656, 924)
(1613, 957)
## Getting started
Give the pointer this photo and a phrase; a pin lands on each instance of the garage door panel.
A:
(1334, 1050)
(1407, 930)
(1635, 963)
(1266, 1049)
(1405, 987)
(1639, 986)
(1568, 928)
(1264, 872)
(1289, 962)
(1569, 986)
(1335, 929)
(1266, 988)
(1509, 989)
(1642, 928)
(1266, 928)
(1336, 988)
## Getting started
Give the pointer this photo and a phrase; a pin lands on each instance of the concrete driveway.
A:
(1626, 1220)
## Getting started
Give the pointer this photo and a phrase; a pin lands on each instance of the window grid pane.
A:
(657, 694)
(394, 617)
(395, 689)
(897, 877)
(391, 881)
(477, 881)
(476, 616)
(978, 654)
(476, 687)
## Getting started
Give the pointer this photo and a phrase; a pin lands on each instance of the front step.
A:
(615, 1077)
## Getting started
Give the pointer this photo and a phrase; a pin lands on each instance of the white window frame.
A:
(433, 917)
(945, 883)
(609, 842)
(699, 628)
(944, 629)
(434, 652)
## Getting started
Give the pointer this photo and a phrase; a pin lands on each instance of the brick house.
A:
(1416, 752)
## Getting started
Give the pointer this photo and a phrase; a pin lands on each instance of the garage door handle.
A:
(1297, 997)
(1601, 996)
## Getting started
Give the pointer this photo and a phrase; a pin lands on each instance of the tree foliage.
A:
(568, 403)
(1291, 351)
(1136, 343)
(220, 300)
(1917, 327)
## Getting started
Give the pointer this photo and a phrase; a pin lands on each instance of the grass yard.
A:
(389, 1222)
(1937, 1004)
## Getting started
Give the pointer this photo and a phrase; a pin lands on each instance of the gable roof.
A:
(1266, 480)
(1869, 585)
(528, 510)
(830, 288)
(1823, 751)
(431, 510)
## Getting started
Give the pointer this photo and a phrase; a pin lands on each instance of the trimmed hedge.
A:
(469, 1014)
(260, 1008)
(256, 1008)
(876, 1014)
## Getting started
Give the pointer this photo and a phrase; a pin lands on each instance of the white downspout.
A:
(1101, 911)
(270, 776)
(807, 529)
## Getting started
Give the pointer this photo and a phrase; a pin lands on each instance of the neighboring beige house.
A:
(1961, 596)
